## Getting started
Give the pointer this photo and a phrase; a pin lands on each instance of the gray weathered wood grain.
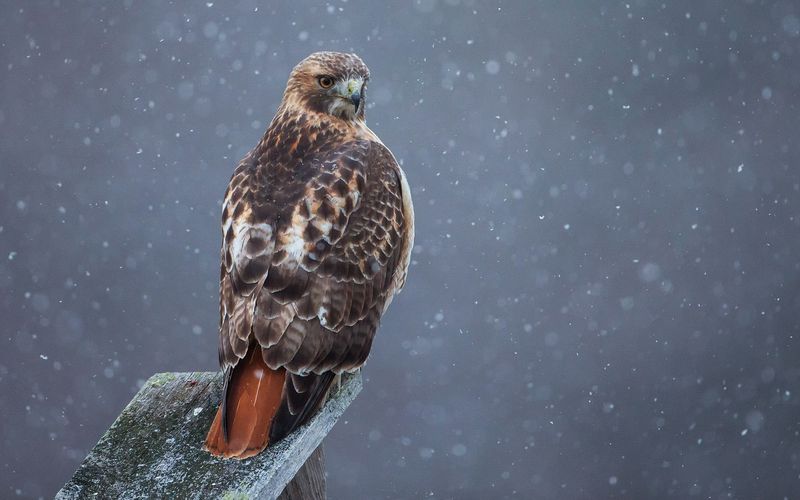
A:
(309, 482)
(154, 448)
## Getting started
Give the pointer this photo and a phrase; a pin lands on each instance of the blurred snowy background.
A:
(605, 290)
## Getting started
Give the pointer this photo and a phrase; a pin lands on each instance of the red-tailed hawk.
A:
(317, 228)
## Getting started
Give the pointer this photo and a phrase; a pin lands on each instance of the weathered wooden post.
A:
(154, 449)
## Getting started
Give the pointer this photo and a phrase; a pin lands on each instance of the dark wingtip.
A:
(285, 422)
(224, 404)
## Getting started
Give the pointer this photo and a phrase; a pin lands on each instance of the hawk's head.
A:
(329, 82)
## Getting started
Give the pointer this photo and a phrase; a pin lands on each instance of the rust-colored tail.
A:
(241, 428)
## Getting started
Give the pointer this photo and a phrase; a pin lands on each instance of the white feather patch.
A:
(294, 243)
(322, 315)
(243, 231)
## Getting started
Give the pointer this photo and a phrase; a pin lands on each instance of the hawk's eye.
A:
(325, 82)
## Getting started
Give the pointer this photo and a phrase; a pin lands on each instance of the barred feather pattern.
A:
(307, 270)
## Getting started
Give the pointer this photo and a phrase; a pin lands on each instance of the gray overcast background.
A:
(604, 294)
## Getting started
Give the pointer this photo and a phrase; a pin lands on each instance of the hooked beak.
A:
(355, 98)
(352, 92)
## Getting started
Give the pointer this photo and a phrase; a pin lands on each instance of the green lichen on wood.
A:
(154, 448)
(235, 495)
(160, 379)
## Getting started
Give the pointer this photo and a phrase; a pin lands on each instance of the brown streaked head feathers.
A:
(347, 74)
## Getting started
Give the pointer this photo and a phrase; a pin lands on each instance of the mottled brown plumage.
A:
(317, 226)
